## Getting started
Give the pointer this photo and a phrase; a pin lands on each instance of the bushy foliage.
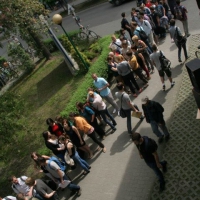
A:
(99, 67)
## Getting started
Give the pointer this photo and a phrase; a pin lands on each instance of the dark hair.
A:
(135, 136)
(123, 14)
(49, 121)
(66, 120)
(134, 23)
(109, 58)
(81, 105)
(45, 135)
(58, 119)
(36, 161)
(178, 2)
(154, 47)
(10, 179)
(134, 47)
(41, 160)
(141, 13)
(30, 181)
(120, 86)
(129, 53)
(73, 114)
(152, 8)
(172, 22)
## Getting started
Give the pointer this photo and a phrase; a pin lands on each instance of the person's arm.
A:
(46, 157)
(144, 46)
(60, 175)
(30, 193)
(158, 20)
(49, 195)
(77, 133)
(52, 147)
(131, 105)
(69, 148)
(155, 154)
(164, 13)
(104, 87)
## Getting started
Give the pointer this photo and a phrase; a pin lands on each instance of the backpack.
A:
(179, 39)
(159, 11)
(178, 10)
(61, 164)
(164, 62)
(142, 34)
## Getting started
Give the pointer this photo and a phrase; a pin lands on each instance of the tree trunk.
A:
(40, 44)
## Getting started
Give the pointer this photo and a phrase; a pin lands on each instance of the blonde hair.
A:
(135, 37)
(119, 58)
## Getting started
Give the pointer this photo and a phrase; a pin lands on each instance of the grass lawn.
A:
(46, 92)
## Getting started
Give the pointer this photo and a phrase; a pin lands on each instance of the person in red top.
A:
(54, 127)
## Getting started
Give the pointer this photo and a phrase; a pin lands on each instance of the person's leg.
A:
(86, 149)
(148, 60)
(185, 50)
(103, 114)
(131, 77)
(109, 98)
(139, 73)
(127, 82)
(146, 70)
(155, 129)
(179, 52)
(184, 27)
(81, 162)
(111, 117)
(164, 129)
(97, 128)
(94, 138)
(128, 120)
(157, 171)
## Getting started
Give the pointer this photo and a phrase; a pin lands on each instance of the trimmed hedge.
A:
(99, 67)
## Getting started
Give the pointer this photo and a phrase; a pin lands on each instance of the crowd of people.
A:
(131, 58)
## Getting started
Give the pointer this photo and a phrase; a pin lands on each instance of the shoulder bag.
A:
(122, 112)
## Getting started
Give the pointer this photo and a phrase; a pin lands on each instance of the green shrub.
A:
(2, 60)
(90, 55)
(95, 47)
(99, 67)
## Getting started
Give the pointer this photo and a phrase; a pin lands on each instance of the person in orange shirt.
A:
(86, 128)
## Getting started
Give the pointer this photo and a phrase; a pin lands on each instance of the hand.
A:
(159, 165)
(136, 111)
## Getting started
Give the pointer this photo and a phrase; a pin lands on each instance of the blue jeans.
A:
(128, 120)
(38, 196)
(155, 126)
(82, 162)
(105, 113)
(157, 171)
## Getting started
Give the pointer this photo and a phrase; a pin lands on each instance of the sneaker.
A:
(114, 129)
(115, 124)
(146, 85)
(104, 149)
(79, 192)
(118, 113)
(162, 186)
(188, 35)
(173, 83)
(114, 111)
(160, 139)
(163, 88)
(187, 57)
(164, 166)
(142, 117)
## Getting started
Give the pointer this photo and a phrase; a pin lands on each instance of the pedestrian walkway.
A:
(182, 152)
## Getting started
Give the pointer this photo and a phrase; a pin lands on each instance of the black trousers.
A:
(97, 128)
(94, 138)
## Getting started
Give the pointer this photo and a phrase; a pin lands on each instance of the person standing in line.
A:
(181, 14)
(155, 58)
(82, 125)
(153, 113)
(8, 198)
(126, 105)
(125, 24)
(147, 148)
(124, 70)
(103, 87)
(177, 37)
(99, 105)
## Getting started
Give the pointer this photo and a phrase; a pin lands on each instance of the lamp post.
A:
(57, 19)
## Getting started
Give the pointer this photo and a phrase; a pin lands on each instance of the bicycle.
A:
(85, 33)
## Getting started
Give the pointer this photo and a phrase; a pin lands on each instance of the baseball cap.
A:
(145, 99)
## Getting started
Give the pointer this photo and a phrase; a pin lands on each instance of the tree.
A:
(22, 16)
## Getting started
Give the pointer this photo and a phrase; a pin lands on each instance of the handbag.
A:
(68, 160)
(136, 114)
(122, 112)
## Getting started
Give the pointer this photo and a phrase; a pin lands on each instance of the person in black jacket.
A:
(147, 148)
(153, 112)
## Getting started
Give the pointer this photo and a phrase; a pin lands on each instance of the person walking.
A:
(147, 148)
(181, 14)
(177, 37)
(153, 113)
(126, 105)
(103, 87)
(155, 58)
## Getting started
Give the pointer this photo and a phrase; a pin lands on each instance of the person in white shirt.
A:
(8, 198)
(115, 45)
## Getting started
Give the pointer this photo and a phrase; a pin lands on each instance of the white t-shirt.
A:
(146, 27)
(10, 198)
(116, 45)
(98, 103)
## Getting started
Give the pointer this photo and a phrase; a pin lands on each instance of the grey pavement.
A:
(120, 174)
